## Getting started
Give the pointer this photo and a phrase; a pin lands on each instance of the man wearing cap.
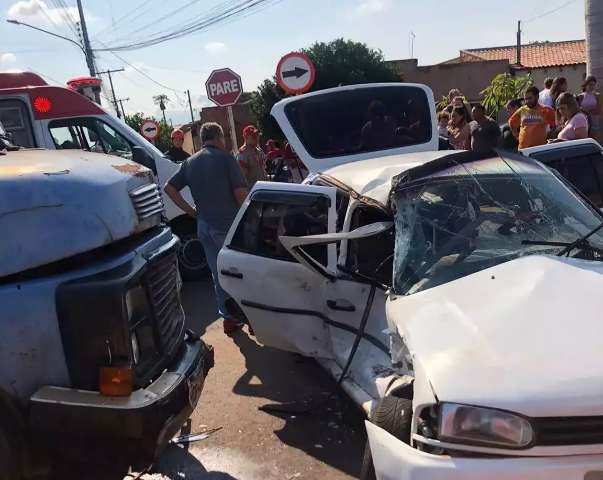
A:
(251, 158)
(175, 153)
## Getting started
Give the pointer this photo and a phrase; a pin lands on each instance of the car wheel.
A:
(394, 415)
(191, 257)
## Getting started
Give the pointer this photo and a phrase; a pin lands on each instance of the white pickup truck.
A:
(52, 117)
(455, 296)
(95, 356)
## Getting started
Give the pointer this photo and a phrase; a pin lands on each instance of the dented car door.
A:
(280, 297)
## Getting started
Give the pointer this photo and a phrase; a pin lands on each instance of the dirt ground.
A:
(320, 438)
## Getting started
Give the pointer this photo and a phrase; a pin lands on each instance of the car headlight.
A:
(483, 426)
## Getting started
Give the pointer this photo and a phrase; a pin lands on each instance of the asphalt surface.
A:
(319, 436)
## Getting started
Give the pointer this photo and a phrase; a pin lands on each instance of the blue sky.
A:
(252, 46)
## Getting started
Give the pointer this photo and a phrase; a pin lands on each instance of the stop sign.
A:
(224, 87)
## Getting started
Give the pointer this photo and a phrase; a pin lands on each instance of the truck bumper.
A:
(131, 429)
(395, 460)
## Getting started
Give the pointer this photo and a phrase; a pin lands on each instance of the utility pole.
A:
(109, 72)
(87, 48)
(121, 100)
(190, 105)
(518, 60)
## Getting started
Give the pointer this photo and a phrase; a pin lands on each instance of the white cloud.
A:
(371, 7)
(215, 47)
(7, 59)
(40, 12)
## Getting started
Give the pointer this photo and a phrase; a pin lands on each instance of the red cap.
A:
(250, 131)
(177, 133)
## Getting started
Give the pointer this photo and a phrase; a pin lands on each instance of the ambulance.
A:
(39, 115)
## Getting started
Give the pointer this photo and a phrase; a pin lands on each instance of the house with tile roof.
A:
(473, 69)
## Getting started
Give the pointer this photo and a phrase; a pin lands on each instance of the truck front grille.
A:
(162, 283)
(556, 431)
(147, 201)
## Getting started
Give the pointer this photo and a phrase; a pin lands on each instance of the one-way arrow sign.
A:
(149, 129)
(295, 73)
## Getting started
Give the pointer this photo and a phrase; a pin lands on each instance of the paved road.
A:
(253, 444)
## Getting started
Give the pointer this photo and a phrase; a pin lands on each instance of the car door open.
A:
(281, 297)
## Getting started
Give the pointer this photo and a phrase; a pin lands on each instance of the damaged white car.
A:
(456, 296)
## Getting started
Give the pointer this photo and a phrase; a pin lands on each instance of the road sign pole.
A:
(233, 132)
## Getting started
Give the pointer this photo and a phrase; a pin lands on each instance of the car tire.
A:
(394, 415)
(191, 257)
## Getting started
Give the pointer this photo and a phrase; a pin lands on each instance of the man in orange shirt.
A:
(531, 123)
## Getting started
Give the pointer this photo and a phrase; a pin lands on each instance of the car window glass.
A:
(361, 120)
(89, 134)
(372, 256)
(474, 216)
(113, 142)
(579, 171)
(65, 138)
(273, 214)
(15, 119)
(582, 169)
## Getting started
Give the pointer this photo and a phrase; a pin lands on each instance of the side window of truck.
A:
(274, 214)
(89, 134)
(14, 116)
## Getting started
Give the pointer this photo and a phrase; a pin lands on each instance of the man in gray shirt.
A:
(219, 189)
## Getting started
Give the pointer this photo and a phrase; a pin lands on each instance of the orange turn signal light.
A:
(116, 381)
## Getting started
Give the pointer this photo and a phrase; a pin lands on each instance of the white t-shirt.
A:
(546, 99)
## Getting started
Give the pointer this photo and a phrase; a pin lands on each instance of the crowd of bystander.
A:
(552, 114)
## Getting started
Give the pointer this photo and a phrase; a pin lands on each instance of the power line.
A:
(165, 17)
(144, 74)
(215, 10)
(550, 12)
(45, 11)
(128, 14)
(238, 10)
(63, 11)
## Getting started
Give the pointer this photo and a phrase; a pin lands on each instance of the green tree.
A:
(135, 120)
(504, 87)
(161, 100)
(163, 141)
(339, 62)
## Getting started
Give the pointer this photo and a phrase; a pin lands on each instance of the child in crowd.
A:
(443, 121)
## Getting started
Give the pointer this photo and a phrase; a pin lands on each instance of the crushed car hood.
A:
(58, 203)
(523, 336)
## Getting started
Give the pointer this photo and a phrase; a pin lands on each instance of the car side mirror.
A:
(142, 157)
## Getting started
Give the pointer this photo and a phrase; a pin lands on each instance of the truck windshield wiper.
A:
(581, 242)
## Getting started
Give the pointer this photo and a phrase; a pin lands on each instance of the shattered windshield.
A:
(472, 216)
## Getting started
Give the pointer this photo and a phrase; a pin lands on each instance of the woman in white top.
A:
(576, 122)
(590, 104)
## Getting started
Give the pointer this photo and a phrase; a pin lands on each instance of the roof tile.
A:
(533, 55)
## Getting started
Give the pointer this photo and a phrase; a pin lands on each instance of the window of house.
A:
(273, 214)
(89, 134)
